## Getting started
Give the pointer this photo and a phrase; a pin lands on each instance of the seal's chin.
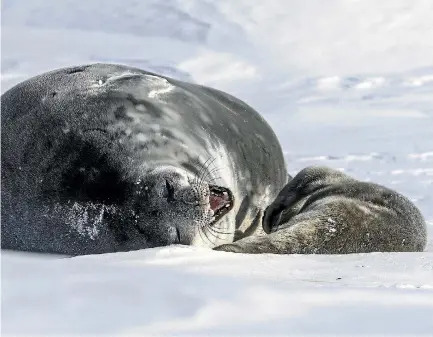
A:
(221, 202)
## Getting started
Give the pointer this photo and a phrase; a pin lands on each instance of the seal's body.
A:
(324, 211)
(105, 158)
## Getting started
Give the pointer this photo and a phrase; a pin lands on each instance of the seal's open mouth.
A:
(221, 201)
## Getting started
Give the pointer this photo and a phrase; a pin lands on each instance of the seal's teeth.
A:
(228, 205)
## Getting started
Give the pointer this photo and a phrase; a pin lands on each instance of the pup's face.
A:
(291, 197)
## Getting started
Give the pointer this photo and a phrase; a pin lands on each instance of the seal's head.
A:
(136, 183)
(140, 201)
(172, 205)
(293, 196)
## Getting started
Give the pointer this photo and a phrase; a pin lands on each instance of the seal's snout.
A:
(195, 194)
(212, 201)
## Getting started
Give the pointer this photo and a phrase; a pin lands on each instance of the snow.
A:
(187, 291)
(344, 83)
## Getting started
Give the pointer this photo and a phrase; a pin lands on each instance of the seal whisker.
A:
(204, 232)
(205, 169)
(215, 169)
(213, 234)
(218, 225)
(210, 179)
(202, 170)
(197, 229)
(214, 179)
(212, 228)
(208, 173)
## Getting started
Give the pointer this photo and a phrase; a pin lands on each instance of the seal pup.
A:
(324, 211)
(103, 158)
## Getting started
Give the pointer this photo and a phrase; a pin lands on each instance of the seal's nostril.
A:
(170, 191)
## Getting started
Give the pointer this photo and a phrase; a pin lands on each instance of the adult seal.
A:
(324, 211)
(105, 158)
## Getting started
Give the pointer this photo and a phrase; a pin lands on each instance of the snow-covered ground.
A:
(344, 83)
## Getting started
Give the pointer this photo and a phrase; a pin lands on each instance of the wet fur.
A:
(324, 211)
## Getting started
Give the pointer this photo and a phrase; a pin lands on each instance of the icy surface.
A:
(344, 83)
